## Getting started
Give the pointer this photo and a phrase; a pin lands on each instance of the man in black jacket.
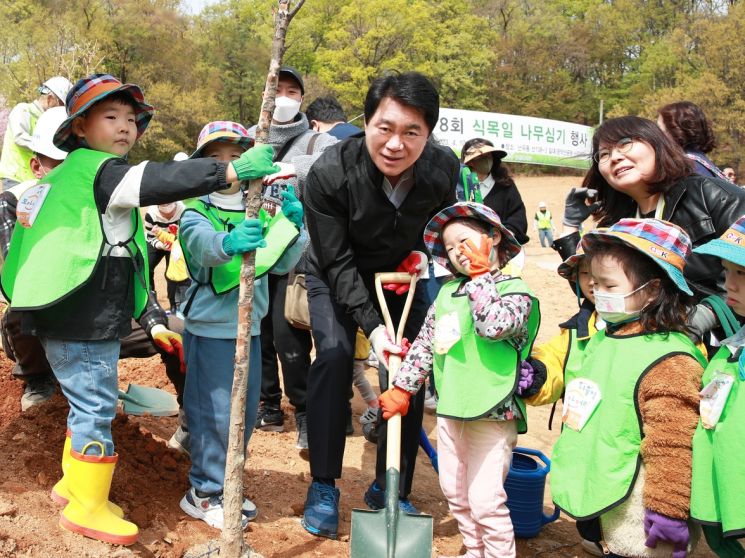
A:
(367, 201)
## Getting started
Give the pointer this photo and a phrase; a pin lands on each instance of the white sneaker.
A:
(210, 509)
(592, 548)
(180, 441)
(430, 402)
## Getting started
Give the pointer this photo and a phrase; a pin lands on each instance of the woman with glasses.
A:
(638, 171)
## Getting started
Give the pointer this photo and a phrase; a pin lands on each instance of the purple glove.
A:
(526, 377)
(661, 528)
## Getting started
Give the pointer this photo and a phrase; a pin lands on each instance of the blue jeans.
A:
(546, 235)
(86, 371)
(209, 381)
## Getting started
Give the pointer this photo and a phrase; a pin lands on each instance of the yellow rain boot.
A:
(60, 493)
(87, 512)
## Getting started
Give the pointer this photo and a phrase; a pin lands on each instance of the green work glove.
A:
(291, 207)
(255, 163)
(245, 237)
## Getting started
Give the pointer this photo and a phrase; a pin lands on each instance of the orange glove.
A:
(169, 342)
(478, 258)
(394, 401)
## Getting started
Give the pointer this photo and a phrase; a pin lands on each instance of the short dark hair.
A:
(688, 125)
(411, 89)
(671, 164)
(499, 172)
(671, 307)
(326, 110)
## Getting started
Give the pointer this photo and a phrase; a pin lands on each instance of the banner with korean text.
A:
(526, 139)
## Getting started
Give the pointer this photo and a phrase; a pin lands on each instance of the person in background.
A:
(161, 227)
(495, 187)
(543, 224)
(730, 174)
(17, 152)
(686, 124)
(326, 115)
(296, 148)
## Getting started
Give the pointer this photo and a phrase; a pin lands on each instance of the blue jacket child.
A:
(214, 235)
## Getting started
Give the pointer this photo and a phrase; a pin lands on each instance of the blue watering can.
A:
(525, 485)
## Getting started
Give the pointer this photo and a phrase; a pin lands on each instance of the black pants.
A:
(31, 360)
(292, 345)
(176, 291)
(330, 379)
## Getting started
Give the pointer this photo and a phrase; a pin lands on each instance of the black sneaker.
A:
(270, 419)
(38, 390)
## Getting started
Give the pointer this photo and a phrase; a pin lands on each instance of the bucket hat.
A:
(221, 130)
(92, 89)
(730, 246)
(509, 247)
(568, 268)
(664, 243)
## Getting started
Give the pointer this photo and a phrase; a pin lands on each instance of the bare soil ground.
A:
(151, 478)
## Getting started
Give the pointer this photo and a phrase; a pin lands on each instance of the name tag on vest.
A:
(30, 203)
(581, 398)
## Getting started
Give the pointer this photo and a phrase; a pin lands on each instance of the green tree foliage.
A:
(548, 58)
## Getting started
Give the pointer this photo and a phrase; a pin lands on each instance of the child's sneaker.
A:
(370, 415)
(375, 500)
(301, 422)
(372, 360)
(430, 402)
(270, 419)
(209, 508)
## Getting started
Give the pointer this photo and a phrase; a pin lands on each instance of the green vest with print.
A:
(594, 470)
(279, 232)
(15, 159)
(718, 456)
(544, 219)
(475, 375)
(59, 253)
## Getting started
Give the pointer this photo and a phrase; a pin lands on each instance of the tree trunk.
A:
(232, 544)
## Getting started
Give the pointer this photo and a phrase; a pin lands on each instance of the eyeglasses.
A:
(623, 145)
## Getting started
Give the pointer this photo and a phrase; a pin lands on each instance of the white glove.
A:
(287, 170)
(383, 345)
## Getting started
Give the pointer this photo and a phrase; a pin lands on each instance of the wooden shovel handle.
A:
(393, 446)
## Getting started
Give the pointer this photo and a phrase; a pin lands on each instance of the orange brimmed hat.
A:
(666, 244)
(222, 130)
(90, 90)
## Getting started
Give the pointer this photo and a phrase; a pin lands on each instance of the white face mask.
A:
(167, 208)
(285, 109)
(612, 306)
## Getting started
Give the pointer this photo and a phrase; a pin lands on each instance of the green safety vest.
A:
(476, 375)
(15, 159)
(594, 470)
(280, 233)
(61, 251)
(718, 471)
(544, 219)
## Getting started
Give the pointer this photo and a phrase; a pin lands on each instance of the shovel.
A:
(139, 400)
(390, 533)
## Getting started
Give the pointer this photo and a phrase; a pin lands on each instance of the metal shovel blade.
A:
(140, 400)
(391, 533)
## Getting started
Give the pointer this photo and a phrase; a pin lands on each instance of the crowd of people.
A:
(648, 368)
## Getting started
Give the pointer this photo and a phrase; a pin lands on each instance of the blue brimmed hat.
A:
(730, 246)
(509, 247)
(222, 130)
(665, 243)
(90, 90)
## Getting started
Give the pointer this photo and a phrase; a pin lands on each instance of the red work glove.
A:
(415, 264)
(478, 258)
(173, 229)
(394, 401)
(170, 342)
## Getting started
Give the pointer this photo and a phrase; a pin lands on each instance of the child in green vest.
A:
(77, 265)
(479, 329)
(631, 407)
(719, 444)
(214, 235)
